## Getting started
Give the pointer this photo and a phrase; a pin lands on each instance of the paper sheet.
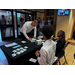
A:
(11, 44)
(33, 60)
(23, 41)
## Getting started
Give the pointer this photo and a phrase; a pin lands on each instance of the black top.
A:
(60, 45)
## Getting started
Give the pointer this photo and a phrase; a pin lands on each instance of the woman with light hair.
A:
(27, 28)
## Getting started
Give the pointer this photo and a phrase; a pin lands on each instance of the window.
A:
(20, 15)
(7, 16)
(50, 12)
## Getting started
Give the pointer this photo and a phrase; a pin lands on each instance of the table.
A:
(20, 59)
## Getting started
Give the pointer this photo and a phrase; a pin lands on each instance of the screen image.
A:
(63, 12)
(7, 16)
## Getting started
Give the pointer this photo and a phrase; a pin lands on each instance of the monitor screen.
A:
(63, 12)
(7, 16)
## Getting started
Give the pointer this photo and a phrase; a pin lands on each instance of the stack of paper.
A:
(11, 44)
(33, 60)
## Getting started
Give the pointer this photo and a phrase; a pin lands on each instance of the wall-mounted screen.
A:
(63, 12)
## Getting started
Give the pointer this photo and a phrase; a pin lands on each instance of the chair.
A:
(61, 54)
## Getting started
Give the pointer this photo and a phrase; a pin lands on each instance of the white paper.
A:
(55, 58)
(13, 54)
(18, 53)
(21, 48)
(33, 60)
(21, 51)
(23, 41)
(25, 47)
(14, 51)
(11, 44)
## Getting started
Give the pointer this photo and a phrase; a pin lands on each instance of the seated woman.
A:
(46, 55)
(60, 42)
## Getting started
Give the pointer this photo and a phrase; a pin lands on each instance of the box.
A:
(38, 42)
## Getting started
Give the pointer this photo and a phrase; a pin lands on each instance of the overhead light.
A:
(22, 10)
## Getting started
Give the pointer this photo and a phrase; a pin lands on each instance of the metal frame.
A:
(17, 11)
(9, 25)
(32, 13)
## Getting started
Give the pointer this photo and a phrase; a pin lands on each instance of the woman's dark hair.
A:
(62, 33)
(47, 30)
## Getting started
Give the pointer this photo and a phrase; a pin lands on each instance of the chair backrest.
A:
(62, 50)
(66, 45)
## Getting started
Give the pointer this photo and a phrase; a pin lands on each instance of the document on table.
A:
(23, 41)
(11, 44)
(33, 60)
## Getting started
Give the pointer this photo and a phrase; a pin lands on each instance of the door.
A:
(19, 15)
(6, 24)
(26, 15)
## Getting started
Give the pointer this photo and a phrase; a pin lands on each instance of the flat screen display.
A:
(7, 16)
(63, 12)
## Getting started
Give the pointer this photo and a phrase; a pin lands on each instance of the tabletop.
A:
(23, 47)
